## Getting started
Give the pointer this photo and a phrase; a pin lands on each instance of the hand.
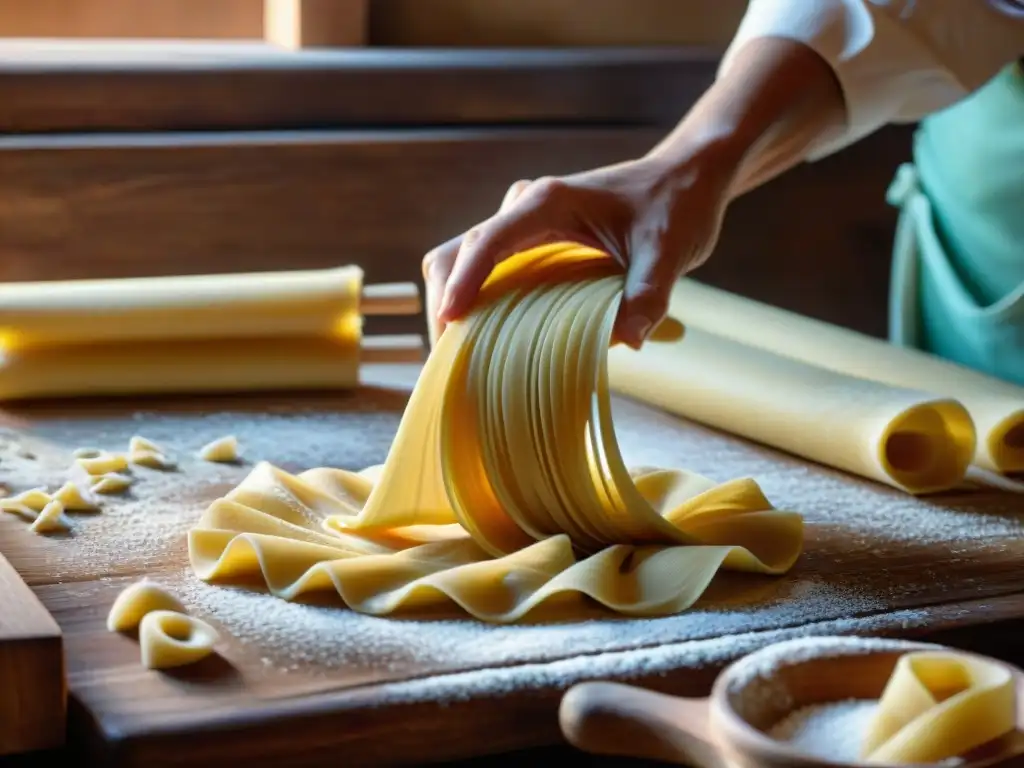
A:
(659, 221)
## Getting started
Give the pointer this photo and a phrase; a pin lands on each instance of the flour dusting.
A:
(832, 731)
(829, 591)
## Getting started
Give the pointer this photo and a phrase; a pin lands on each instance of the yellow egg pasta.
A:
(505, 487)
(940, 705)
(996, 407)
(912, 440)
(296, 303)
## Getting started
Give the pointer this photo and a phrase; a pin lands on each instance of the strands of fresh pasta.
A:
(504, 469)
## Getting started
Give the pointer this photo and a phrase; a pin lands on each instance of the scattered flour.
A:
(833, 731)
(146, 526)
(643, 662)
(146, 530)
(292, 635)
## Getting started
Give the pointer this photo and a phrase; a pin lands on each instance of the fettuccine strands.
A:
(505, 472)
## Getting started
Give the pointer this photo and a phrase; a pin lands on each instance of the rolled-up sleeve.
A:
(894, 61)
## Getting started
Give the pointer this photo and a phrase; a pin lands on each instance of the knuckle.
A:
(471, 238)
(549, 189)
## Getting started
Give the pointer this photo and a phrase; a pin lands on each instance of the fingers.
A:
(531, 220)
(513, 194)
(654, 267)
(437, 267)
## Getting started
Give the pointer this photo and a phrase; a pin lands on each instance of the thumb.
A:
(646, 295)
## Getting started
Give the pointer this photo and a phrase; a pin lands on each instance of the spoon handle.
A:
(626, 721)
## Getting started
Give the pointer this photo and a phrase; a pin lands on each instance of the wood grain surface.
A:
(378, 180)
(299, 684)
(503, 23)
(63, 86)
(33, 701)
(132, 18)
(816, 241)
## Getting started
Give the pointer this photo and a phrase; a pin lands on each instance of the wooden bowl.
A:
(730, 727)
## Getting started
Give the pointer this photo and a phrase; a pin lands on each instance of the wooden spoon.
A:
(728, 728)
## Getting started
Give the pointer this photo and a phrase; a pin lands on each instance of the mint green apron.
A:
(958, 259)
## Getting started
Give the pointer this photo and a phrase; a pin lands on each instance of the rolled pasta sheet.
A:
(176, 367)
(908, 439)
(996, 406)
(250, 305)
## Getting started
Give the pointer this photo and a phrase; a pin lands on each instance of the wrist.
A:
(778, 98)
(712, 160)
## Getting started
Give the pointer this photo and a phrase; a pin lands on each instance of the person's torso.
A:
(965, 285)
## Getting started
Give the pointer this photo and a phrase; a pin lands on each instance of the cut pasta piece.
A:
(104, 463)
(75, 499)
(51, 519)
(146, 453)
(111, 483)
(139, 443)
(169, 639)
(939, 705)
(21, 510)
(136, 601)
(223, 449)
(34, 498)
(150, 459)
(86, 453)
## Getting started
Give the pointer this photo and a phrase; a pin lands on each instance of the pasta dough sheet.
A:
(908, 439)
(996, 406)
(264, 304)
(139, 368)
(504, 488)
(940, 705)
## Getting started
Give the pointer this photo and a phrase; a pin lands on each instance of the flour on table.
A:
(145, 530)
(146, 527)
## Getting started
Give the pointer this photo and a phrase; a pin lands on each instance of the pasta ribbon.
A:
(504, 488)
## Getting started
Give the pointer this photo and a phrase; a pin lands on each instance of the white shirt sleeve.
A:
(896, 60)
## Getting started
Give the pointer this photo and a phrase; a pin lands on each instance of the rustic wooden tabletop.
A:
(309, 682)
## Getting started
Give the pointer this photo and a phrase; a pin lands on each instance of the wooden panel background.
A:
(162, 87)
(210, 19)
(117, 187)
(816, 241)
(553, 22)
(438, 23)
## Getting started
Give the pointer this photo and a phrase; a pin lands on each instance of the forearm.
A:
(804, 79)
(777, 100)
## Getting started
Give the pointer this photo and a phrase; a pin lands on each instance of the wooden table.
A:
(302, 684)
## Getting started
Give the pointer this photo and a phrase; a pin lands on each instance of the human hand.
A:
(659, 221)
